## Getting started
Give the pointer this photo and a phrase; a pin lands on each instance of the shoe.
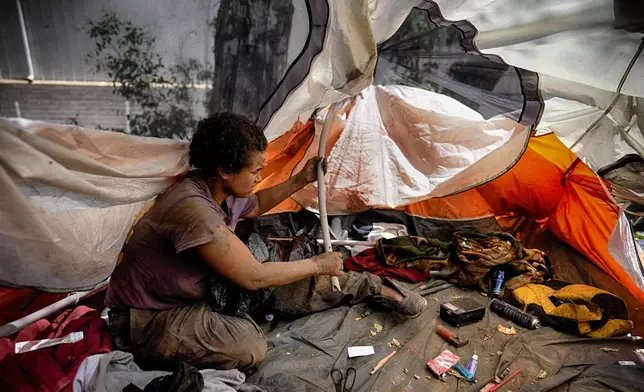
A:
(411, 306)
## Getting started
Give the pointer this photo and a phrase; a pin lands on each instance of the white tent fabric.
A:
(624, 249)
(402, 144)
(345, 65)
(574, 46)
(69, 198)
(572, 40)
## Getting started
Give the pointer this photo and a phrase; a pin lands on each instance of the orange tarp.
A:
(549, 181)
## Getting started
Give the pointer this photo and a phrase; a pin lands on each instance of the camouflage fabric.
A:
(479, 253)
(421, 253)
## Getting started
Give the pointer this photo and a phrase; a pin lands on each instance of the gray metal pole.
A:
(324, 221)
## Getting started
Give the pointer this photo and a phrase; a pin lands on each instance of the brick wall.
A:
(95, 106)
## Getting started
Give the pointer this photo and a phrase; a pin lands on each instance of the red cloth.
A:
(52, 369)
(369, 261)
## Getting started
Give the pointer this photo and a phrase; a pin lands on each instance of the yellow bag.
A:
(576, 308)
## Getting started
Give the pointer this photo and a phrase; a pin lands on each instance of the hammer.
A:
(450, 337)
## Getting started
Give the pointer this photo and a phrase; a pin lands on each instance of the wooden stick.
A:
(382, 362)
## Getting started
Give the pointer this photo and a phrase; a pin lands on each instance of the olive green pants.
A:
(203, 338)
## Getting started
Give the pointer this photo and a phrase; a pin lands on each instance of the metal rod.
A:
(434, 289)
(17, 106)
(631, 141)
(350, 243)
(333, 242)
(127, 117)
(324, 221)
(25, 41)
(73, 298)
(595, 123)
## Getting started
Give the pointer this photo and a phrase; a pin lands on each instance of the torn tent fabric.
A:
(576, 308)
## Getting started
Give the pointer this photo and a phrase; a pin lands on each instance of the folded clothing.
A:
(421, 253)
(370, 261)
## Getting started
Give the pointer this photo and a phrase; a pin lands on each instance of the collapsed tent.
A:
(455, 113)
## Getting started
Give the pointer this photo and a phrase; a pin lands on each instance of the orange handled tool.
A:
(450, 337)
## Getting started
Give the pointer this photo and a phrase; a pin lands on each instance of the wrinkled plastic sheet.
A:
(302, 352)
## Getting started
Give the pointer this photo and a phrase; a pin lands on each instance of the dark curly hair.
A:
(226, 141)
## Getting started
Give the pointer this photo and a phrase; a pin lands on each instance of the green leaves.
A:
(126, 53)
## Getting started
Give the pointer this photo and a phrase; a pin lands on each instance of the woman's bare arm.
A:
(227, 255)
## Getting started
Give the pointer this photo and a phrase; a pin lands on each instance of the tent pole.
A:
(324, 221)
(25, 41)
(72, 299)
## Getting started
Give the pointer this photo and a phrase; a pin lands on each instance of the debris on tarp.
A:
(395, 342)
(417, 377)
(363, 315)
(640, 354)
(456, 374)
(542, 374)
(33, 345)
(507, 331)
(443, 362)
(382, 362)
(378, 328)
(609, 349)
(405, 371)
(360, 351)
(450, 337)
(487, 337)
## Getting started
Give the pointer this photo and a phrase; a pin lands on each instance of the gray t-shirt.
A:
(160, 268)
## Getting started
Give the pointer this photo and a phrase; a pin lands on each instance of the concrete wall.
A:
(95, 106)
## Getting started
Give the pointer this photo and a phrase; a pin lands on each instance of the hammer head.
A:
(456, 342)
(450, 337)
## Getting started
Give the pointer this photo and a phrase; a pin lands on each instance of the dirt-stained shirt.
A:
(160, 267)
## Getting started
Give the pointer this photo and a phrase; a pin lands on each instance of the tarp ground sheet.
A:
(303, 352)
